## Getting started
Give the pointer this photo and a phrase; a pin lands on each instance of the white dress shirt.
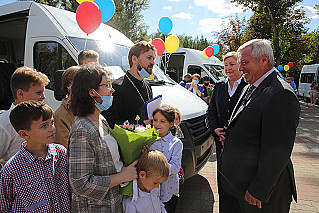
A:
(231, 91)
(10, 141)
(146, 203)
(262, 78)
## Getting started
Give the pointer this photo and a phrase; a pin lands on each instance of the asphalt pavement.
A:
(199, 193)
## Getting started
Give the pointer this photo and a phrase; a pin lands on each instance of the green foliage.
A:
(232, 35)
(129, 20)
(275, 13)
(69, 5)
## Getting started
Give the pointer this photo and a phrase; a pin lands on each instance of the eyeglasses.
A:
(108, 85)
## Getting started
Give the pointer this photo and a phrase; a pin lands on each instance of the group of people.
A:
(191, 83)
(68, 161)
(76, 166)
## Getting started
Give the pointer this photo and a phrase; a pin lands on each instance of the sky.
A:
(202, 17)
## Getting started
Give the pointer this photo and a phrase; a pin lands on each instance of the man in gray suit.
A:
(256, 167)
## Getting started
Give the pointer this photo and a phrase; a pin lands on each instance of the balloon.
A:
(88, 16)
(107, 8)
(81, 1)
(209, 51)
(286, 67)
(280, 68)
(159, 45)
(216, 48)
(290, 64)
(165, 25)
(204, 54)
(151, 77)
(171, 44)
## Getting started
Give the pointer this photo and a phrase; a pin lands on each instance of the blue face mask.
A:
(143, 73)
(106, 102)
(195, 82)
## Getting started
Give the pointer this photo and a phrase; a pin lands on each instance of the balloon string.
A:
(165, 61)
(85, 41)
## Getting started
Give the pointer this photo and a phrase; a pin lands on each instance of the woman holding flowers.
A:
(222, 102)
(95, 169)
(171, 147)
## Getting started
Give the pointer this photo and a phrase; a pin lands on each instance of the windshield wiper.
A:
(158, 82)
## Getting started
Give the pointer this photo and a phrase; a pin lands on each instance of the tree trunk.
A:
(275, 36)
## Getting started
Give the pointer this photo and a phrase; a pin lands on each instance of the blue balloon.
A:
(280, 68)
(107, 8)
(216, 48)
(165, 25)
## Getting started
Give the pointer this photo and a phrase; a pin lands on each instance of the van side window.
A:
(49, 57)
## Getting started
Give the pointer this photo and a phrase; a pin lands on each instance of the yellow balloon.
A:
(151, 77)
(171, 44)
(286, 67)
(80, 1)
(224, 74)
(204, 54)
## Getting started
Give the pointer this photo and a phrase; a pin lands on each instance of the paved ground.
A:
(199, 193)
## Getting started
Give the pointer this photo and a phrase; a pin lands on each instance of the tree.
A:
(69, 5)
(276, 11)
(232, 34)
(129, 20)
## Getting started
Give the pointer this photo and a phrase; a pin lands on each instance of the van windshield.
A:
(114, 56)
(216, 70)
(307, 77)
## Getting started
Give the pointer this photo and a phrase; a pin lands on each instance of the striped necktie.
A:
(248, 94)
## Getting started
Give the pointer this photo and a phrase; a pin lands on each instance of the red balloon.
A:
(290, 64)
(209, 51)
(88, 16)
(159, 45)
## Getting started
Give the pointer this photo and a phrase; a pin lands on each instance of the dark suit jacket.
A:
(260, 139)
(221, 106)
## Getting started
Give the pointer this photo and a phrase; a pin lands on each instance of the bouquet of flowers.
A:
(131, 139)
(209, 89)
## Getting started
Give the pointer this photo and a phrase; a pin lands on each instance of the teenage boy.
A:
(87, 56)
(152, 169)
(36, 178)
(26, 84)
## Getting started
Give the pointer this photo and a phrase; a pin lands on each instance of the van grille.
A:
(198, 129)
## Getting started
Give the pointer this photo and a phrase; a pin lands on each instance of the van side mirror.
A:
(59, 94)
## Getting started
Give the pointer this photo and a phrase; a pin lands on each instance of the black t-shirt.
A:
(127, 102)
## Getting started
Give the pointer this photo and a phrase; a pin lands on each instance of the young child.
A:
(152, 169)
(36, 178)
(26, 84)
(63, 116)
(171, 147)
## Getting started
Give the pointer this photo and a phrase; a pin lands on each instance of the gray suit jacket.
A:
(260, 139)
